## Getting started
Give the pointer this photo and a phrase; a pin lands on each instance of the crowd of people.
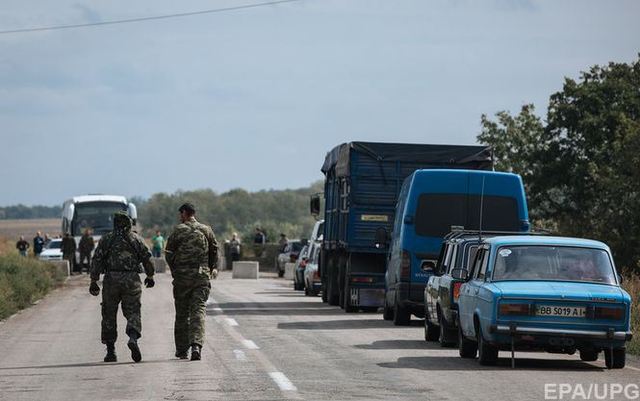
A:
(39, 243)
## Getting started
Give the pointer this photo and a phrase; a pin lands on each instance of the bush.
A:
(632, 286)
(23, 281)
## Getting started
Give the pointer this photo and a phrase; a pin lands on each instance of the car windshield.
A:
(553, 263)
(55, 244)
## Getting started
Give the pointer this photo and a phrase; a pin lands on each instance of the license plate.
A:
(561, 311)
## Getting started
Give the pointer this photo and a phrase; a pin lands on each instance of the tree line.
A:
(29, 212)
(581, 164)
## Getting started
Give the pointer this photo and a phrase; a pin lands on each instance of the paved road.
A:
(264, 342)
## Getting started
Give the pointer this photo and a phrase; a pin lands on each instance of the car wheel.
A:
(466, 348)
(487, 353)
(333, 295)
(280, 273)
(616, 359)
(387, 312)
(588, 355)
(431, 331)
(401, 316)
(443, 333)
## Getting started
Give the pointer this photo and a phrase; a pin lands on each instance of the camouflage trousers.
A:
(191, 287)
(121, 288)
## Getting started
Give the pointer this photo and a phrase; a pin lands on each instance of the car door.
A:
(469, 301)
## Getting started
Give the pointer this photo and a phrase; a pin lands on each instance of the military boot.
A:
(195, 352)
(135, 350)
(182, 354)
(111, 353)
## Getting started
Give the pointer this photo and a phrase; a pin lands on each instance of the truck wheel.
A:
(487, 353)
(430, 331)
(346, 301)
(589, 355)
(444, 336)
(387, 312)
(466, 348)
(401, 316)
(324, 292)
(333, 296)
(616, 359)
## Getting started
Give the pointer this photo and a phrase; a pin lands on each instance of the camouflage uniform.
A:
(119, 255)
(191, 253)
(86, 246)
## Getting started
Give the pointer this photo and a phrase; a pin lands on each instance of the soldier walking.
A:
(192, 254)
(119, 255)
(69, 250)
(86, 246)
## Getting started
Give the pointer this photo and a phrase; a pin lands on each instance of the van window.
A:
(436, 213)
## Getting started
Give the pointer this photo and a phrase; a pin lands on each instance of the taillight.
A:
(603, 312)
(456, 290)
(514, 309)
(367, 280)
(405, 265)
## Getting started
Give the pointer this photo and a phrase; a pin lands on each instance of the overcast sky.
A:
(255, 98)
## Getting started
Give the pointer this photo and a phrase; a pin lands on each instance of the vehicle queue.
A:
(461, 255)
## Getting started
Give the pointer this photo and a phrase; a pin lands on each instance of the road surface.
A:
(264, 342)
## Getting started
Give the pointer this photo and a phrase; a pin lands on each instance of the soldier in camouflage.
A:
(86, 246)
(119, 255)
(192, 254)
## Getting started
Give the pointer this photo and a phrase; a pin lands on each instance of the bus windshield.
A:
(97, 216)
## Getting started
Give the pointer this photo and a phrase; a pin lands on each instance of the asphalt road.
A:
(266, 342)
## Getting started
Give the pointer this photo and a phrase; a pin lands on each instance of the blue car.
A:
(553, 294)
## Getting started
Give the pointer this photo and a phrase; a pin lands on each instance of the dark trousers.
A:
(121, 288)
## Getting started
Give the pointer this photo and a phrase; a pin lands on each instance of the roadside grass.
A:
(632, 285)
(24, 281)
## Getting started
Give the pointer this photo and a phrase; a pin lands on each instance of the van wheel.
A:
(401, 316)
(487, 353)
(615, 359)
(589, 355)
(430, 331)
(387, 312)
(466, 348)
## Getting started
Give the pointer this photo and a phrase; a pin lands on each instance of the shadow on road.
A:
(348, 324)
(457, 363)
(85, 365)
(399, 344)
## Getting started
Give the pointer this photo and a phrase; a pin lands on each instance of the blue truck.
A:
(362, 183)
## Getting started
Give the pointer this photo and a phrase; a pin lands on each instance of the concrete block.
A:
(289, 271)
(159, 264)
(61, 266)
(245, 269)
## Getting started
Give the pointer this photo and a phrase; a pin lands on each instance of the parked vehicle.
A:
(290, 254)
(312, 281)
(430, 202)
(52, 251)
(362, 182)
(554, 294)
(442, 291)
(298, 277)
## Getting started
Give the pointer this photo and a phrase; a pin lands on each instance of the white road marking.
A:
(232, 322)
(240, 355)
(250, 344)
(632, 368)
(282, 381)
(216, 309)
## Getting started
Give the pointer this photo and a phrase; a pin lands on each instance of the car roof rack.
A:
(459, 232)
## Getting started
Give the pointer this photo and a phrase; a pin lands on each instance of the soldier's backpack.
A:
(195, 244)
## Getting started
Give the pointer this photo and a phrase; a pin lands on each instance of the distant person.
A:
(86, 246)
(157, 244)
(282, 243)
(259, 241)
(68, 248)
(22, 246)
(38, 244)
(119, 255)
(192, 255)
(47, 239)
(234, 247)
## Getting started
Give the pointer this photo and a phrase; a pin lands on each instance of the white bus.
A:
(94, 212)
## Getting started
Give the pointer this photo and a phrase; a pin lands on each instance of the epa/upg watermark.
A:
(591, 391)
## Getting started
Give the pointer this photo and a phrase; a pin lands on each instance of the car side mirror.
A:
(382, 238)
(460, 274)
(428, 266)
(314, 205)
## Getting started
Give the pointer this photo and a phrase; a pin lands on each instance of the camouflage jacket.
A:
(86, 244)
(192, 244)
(121, 251)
